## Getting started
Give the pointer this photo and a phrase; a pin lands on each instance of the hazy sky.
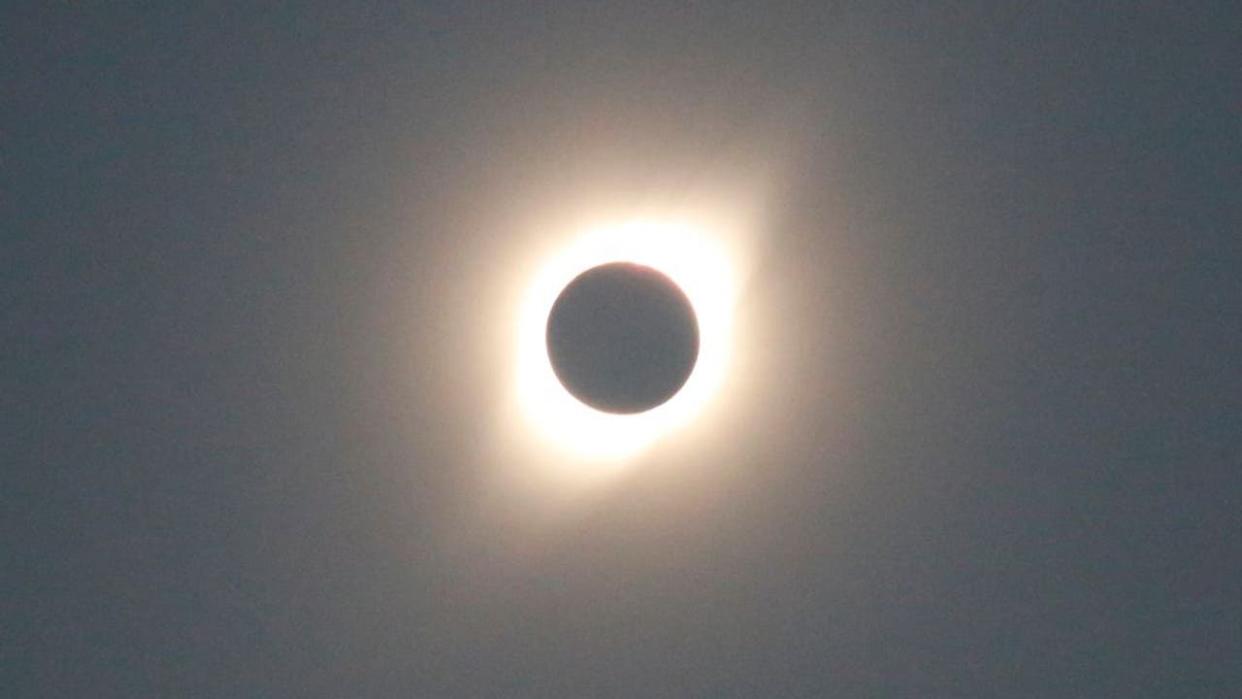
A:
(986, 440)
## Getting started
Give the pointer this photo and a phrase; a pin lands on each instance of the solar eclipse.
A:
(624, 336)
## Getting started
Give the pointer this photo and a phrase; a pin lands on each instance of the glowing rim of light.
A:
(692, 259)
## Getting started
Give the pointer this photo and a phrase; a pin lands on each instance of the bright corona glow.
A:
(693, 260)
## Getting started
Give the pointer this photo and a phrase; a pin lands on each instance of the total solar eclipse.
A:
(622, 338)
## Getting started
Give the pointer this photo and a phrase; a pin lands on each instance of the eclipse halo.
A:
(698, 264)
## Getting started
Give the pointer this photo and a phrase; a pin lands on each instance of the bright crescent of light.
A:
(696, 262)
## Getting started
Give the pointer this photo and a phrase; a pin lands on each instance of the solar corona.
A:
(623, 337)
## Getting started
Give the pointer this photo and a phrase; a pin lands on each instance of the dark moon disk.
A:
(622, 338)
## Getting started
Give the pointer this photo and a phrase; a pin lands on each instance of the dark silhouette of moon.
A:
(622, 338)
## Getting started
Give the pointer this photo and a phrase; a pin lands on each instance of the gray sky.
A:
(987, 440)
